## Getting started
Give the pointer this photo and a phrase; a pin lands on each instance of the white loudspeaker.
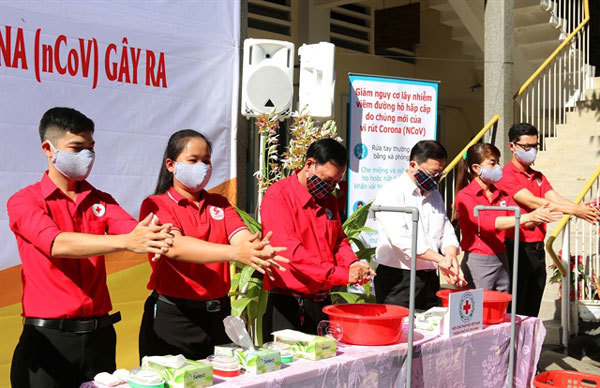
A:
(268, 73)
(317, 78)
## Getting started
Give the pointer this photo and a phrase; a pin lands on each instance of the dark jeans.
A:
(392, 286)
(531, 279)
(183, 328)
(285, 312)
(52, 358)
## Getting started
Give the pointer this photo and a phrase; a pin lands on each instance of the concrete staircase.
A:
(537, 31)
(568, 162)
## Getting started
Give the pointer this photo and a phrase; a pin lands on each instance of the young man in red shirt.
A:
(64, 227)
(530, 189)
(304, 218)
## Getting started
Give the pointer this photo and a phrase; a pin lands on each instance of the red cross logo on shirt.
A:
(466, 307)
(98, 209)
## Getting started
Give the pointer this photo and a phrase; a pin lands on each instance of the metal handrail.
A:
(555, 53)
(563, 222)
(458, 157)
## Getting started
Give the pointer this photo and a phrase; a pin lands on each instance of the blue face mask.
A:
(73, 165)
(525, 157)
(193, 176)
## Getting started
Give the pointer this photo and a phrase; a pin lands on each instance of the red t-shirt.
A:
(214, 220)
(478, 234)
(513, 180)
(317, 247)
(55, 287)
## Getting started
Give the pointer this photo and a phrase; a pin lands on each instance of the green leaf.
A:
(253, 225)
(261, 309)
(238, 306)
(359, 244)
(366, 254)
(245, 276)
(356, 221)
(235, 281)
(367, 288)
(350, 297)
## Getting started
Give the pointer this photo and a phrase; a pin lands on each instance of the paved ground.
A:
(583, 354)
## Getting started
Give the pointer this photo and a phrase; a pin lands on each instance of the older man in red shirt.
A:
(64, 227)
(304, 218)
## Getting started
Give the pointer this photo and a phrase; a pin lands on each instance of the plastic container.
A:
(566, 378)
(494, 304)
(145, 378)
(367, 324)
(224, 366)
(284, 349)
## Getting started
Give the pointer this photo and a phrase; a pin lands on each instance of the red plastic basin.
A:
(367, 324)
(494, 304)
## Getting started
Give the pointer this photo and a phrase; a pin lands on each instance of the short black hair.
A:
(517, 130)
(328, 150)
(428, 149)
(63, 120)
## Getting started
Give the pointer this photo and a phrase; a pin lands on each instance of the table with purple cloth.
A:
(475, 359)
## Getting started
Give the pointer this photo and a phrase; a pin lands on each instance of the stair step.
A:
(570, 157)
(566, 187)
(593, 94)
(530, 15)
(578, 141)
(587, 115)
(440, 5)
(539, 49)
(574, 128)
(536, 32)
(527, 3)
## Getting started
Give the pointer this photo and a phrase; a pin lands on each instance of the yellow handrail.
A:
(483, 131)
(543, 66)
(563, 222)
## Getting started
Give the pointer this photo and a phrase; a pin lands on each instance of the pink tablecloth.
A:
(477, 359)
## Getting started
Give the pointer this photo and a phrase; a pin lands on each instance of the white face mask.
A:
(525, 157)
(73, 165)
(193, 176)
(490, 174)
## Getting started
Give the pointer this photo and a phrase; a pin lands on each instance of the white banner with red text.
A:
(140, 70)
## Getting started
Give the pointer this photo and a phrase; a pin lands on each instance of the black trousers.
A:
(183, 328)
(52, 358)
(531, 279)
(392, 286)
(286, 312)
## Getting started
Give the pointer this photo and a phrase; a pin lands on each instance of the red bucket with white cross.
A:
(495, 304)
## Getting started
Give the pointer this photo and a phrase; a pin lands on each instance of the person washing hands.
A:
(485, 263)
(304, 218)
(437, 246)
(185, 312)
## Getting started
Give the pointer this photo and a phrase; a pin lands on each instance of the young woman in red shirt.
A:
(484, 262)
(185, 312)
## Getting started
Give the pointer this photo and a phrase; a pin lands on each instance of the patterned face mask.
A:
(425, 181)
(317, 187)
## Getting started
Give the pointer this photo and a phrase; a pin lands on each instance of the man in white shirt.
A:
(437, 245)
